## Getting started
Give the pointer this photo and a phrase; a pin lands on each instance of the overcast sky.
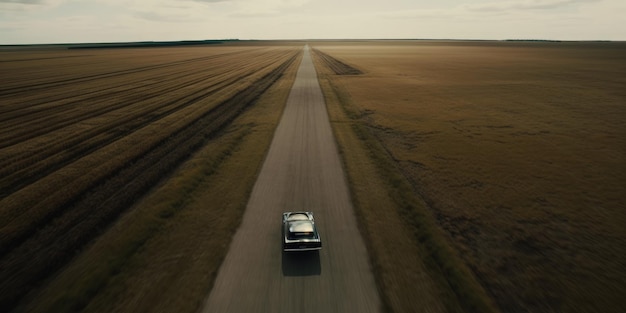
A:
(64, 21)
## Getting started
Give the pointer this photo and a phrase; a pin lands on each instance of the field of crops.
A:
(515, 151)
(487, 176)
(84, 134)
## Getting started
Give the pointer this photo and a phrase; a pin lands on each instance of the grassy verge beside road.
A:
(416, 270)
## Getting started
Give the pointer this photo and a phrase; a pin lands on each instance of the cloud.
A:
(27, 5)
(31, 3)
(500, 9)
(209, 1)
(28, 2)
(265, 8)
(523, 5)
(420, 14)
(159, 17)
(162, 11)
(28, 21)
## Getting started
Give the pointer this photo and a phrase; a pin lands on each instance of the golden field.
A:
(514, 150)
(486, 176)
(128, 167)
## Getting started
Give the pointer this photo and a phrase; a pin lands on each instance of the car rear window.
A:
(295, 236)
(301, 227)
(298, 217)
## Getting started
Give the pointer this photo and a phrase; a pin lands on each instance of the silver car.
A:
(299, 232)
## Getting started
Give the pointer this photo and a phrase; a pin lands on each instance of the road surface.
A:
(302, 171)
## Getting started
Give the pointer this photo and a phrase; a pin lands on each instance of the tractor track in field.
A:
(22, 169)
(13, 136)
(63, 151)
(30, 253)
(337, 66)
(41, 105)
(43, 115)
(12, 90)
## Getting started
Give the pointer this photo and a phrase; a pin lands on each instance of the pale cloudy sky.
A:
(64, 21)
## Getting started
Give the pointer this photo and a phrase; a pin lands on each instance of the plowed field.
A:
(84, 134)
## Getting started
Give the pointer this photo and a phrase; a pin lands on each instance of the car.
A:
(300, 232)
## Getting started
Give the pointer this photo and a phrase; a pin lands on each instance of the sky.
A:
(73, 21)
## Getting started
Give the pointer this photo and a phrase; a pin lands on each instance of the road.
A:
(302, 171)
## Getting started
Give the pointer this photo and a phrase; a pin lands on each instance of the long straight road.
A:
(302, 172)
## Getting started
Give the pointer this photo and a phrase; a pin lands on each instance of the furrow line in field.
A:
(45, 193)
(12, 90)
(36, 106)
(13, 207)
(100, 99)
(20, 160)
(28, 101)
(32, 165)
(44, 253)
(337, 66)
(44, 107)
(37, 59)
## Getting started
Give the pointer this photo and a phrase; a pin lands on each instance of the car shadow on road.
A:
(301, 263)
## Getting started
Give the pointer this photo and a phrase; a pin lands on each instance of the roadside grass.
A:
(415, 268)
(518, 151)
(164, 253)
